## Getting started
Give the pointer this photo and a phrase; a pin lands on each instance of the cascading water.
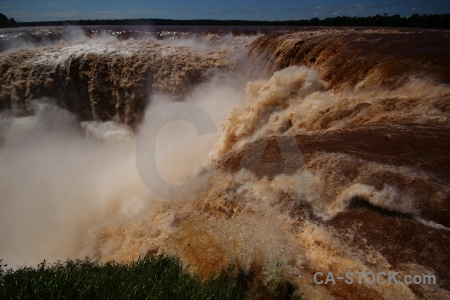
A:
(329, 154)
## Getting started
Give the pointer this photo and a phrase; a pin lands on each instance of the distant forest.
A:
(5, 22)
(416, 20)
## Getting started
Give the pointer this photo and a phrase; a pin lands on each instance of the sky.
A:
(56, 10)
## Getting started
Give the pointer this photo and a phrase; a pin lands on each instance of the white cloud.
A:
(359, 5)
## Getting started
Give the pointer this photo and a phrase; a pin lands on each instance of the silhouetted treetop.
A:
(416, 20)
(5, 22)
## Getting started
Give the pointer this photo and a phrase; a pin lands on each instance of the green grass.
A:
(147, 278)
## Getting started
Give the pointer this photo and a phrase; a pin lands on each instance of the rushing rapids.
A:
(333, 153)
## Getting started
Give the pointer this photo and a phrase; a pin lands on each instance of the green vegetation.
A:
(158, 278)
(416, 20)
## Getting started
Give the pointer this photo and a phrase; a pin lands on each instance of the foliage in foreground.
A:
(157, 278)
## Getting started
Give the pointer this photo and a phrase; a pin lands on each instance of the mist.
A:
(272, 156)
(59, 176)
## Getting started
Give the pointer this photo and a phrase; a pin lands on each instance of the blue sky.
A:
(50, 10)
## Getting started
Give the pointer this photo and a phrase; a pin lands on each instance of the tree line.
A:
(5, 22)
(416, 20)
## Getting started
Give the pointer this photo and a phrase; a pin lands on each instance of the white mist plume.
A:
(14, 39)
(179, 139)
(55, 183)
(57, 178)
